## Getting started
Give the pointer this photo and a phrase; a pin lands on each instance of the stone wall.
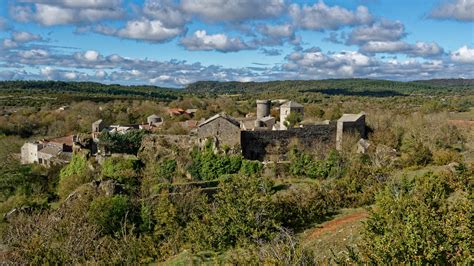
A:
(222, 131)
(274, 145)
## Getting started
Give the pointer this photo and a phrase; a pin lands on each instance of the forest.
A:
(407, 199)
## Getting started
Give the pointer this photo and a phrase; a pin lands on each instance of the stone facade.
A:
(350, 123)
(286, 109)
(224, 130)
(29, 152)
(274, 145)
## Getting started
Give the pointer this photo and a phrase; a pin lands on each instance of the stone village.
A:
(261, 137)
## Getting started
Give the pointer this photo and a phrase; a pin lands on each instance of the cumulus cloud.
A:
(322, 17)
(61, 12)
(9, 43)
(23, 36)
(149, 30)
(420, 49)
(380, 31)
(461, 10)
(77, 4)
(170, 14)
(314, 64)
(464, 55)
(201, 41)
(229, 10)
(142, 30)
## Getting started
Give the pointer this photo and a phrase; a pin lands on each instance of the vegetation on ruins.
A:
(161, 201)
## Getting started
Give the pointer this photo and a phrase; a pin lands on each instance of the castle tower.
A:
(263, 108)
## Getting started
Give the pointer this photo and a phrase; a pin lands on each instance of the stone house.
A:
(55, 151)
(223, 129)
(286, 109)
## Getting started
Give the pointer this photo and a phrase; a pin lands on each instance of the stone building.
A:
(98, 126)
(154, 120)
(286, 109)
(223, 129)
(350, 123)
(48, 152)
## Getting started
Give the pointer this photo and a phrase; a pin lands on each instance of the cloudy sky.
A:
(176, 42)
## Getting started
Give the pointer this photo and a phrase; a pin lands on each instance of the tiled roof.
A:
(226, 117)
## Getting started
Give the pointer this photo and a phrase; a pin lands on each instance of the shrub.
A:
(109, 213)
(303, 205)
(421, 221)
(166, 170)
(124, 170)
(73, 175)
(242, 213)
(414, 152)
(444, 156)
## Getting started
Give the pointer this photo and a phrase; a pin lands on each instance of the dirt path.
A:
(334, 225)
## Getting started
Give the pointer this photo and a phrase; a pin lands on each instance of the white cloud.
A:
(277, 31)
(166, 11)
(9, 43)
(380, 31)
(200, 40)
(34, 53)
(421, 49)
(23, 36)
(322, 17)
(464, 55)
(230, 10)
(314, 64)
(148, 30)
(462, 10)
(62, 12)
(89, 55)
(77, 3)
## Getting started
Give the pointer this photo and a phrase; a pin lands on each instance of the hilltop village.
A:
(258, 136)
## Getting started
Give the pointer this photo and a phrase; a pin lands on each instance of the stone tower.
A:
(263, 108)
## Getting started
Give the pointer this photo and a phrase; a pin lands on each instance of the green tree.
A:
(73, 175)
(243, 212)
(110, 213)
(419, 220)
(293, 119)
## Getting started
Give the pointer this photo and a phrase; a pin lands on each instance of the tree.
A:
(73, 175)
(242, 213)
(293, 119)
(109, 213)
(421, 221)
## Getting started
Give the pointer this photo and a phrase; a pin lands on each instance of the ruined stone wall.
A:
(274, 145)
(222, 131)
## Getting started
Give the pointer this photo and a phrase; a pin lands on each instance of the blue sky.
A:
(176, 42)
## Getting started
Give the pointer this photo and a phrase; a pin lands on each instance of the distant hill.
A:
(85, 89)
(447, 82)
(329, 86)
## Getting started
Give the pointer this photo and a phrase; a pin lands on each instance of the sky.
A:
(177, 42)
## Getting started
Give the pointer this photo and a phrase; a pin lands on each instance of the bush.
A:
(242, 212)
(414, 152)
(109, 213)
(207, 165)
(166, 170)
(444, 157)
(421, 221)
(303, 205)
(305, 165)
(73, 175)
(124, 170)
